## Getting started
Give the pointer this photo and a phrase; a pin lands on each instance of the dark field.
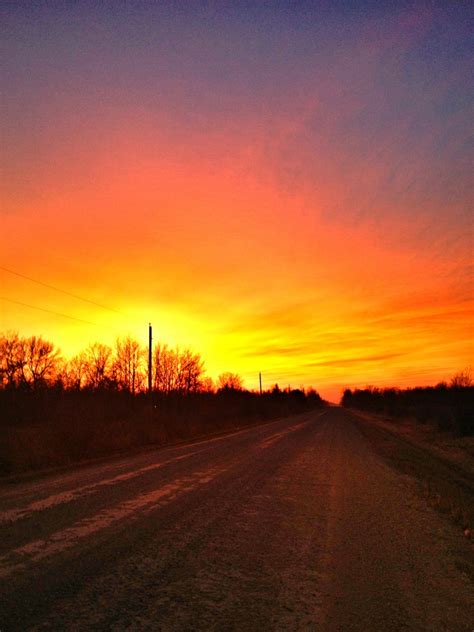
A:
(50, 427)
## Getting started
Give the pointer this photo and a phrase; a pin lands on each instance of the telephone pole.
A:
(149, 358)
(260, 381)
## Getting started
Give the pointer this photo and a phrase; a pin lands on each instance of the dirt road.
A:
(295, 525)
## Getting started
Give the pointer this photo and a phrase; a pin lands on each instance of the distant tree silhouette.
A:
(176, 371)
(30, 362)
(190, 371)
(451, 407)
(462, 379)
(41, 361)
(229, 381)
(165, 369)
(12, 359)
(128, 365)
(207, 385)
(74, 372)
(98, 366)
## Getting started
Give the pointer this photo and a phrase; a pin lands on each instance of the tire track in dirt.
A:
(120, 556)
(133, 508)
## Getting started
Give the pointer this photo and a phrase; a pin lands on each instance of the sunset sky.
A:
(284, 187)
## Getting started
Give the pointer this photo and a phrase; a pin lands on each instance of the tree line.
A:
(55, 411)
(35, 363)
(448, 405)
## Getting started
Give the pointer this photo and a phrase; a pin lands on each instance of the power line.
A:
(57, 289)
(49, 311)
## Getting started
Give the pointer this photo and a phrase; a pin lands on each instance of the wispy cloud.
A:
(291, 190)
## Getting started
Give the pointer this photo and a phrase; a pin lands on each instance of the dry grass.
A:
(60, 429)
(442, 467)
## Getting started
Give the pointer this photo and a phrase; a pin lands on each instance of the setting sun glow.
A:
(280, 201)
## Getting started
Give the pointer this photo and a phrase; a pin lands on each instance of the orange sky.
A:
(314, 234)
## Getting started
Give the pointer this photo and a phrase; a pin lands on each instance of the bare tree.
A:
(12, 359)
(176, 371)
(128, 364)
(41, 361)
(229, 381)
(74, 374)
(190, 371)
(462, 379)
(98, 365)
(207, 385)
(164, 368)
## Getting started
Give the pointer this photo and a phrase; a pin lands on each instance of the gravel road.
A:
(299, 524)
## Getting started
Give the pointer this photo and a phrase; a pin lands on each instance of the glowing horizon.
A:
(285, 191)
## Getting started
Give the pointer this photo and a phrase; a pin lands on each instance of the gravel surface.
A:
(299, 524)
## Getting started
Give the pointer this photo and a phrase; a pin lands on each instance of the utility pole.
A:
(149, 358)
(260, 381)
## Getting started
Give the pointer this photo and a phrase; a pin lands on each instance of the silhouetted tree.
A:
(74, 372)
(165, 369)
(12, 359)
(41, 361)
(462, 379)
(207, 385)
(128, 365)
(191, 371)
(229, 381)
(176, 371)
(27, 361)
(98, 365)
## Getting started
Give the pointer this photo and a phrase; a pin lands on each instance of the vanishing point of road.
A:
(298, 524)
